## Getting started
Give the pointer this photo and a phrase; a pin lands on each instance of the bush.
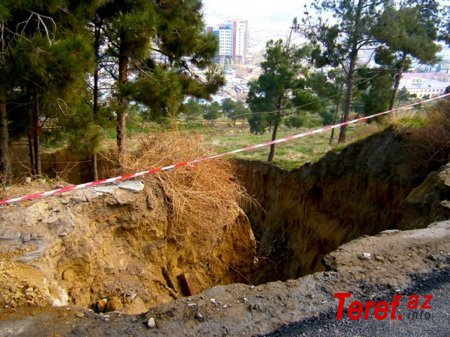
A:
(429, 142)
(303, 119)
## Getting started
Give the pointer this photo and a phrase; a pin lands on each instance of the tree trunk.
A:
(98, 25)
(122, 110)
(274, 135)
(348, 100)
(351, 71)
(5, 165)
(398, 77)
(336, 113)
(36, 131)
(30, 140)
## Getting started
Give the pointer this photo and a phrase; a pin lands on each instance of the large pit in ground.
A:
(81, 247)
(371, 186)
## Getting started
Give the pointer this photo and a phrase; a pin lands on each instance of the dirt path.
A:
(396, 260)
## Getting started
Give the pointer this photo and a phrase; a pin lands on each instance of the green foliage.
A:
(375, 98)
(160, 41)
(279, 86)
(303, 119)
(228, 105)
(212, 111)
(406, 30)
(258, 123)
(193, 108)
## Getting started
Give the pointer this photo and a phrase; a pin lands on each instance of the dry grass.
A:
(27, 185)
(406, 118)
(429, 137)
(200, 198)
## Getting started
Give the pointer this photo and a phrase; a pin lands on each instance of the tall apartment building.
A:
(233, 40)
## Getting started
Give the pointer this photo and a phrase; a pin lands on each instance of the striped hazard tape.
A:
(199, 160)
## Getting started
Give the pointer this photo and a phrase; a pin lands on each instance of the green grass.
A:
(288, 155)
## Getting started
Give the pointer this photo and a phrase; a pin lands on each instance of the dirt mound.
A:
(113, 242)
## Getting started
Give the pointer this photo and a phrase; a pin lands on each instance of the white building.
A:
(233, 39)
(225, 34)
(241, 38)
(424, 85)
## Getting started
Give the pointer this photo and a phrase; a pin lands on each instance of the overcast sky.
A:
(271, 12)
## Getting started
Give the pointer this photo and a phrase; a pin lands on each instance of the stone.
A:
(105, 189)
(26, 237)
(379, 257)
(364, 256)
(130, 185)
(9, 234)
(80, 314)
(151, 323)
(199, 316)
(65, 225)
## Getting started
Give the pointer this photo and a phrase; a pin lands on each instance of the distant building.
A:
(425, 84)
(241, 37)
(233, 39)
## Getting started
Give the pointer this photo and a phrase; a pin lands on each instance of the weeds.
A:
(200, 198)
(429, 141)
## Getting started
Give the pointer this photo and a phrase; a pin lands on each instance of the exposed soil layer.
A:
(371, 186)
(237, 310)
(112, 242)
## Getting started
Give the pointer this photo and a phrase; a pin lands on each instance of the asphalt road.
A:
(438, 325)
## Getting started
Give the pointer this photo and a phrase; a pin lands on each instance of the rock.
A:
(151, 323)
(80, 314)
(9, 234)
(390, 231)
(26, 237)
(199, 316)
(379, 257)
(65, 225)
(134, 186)
(364, 256)
(105, 189)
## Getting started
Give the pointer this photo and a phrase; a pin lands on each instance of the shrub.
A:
(429, 141)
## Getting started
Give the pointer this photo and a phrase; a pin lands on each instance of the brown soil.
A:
(397, 260)
(78, 248)
(113, 241)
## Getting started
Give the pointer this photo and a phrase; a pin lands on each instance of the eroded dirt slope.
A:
(371, 186)
(396, 260)
(112, 241)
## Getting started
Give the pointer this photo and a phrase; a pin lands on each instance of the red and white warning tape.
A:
(199, 160)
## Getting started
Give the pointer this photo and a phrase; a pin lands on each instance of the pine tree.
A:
(212, 112)
(50, 58)
(340, 42)
(408, 34)
(277, 87)
(159, 42)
